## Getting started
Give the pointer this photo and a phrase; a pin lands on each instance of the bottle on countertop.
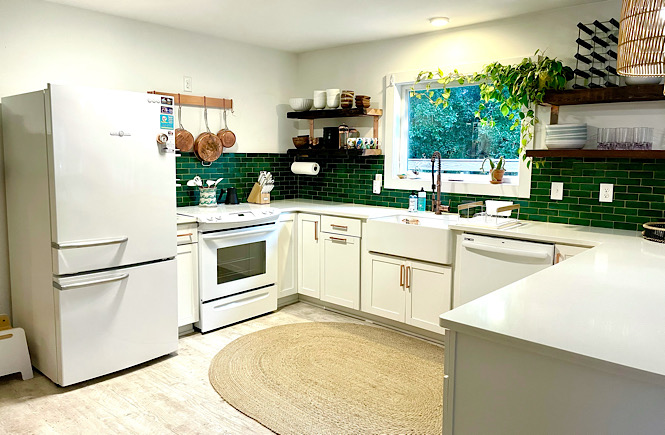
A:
(413, 202)
(422, 199)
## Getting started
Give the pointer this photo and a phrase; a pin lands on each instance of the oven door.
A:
(238, 260)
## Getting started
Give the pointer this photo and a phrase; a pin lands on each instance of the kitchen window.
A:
(416, 128)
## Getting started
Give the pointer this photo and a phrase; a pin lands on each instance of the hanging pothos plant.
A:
(517, 88)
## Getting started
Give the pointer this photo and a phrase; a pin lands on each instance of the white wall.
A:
(362, 67)
(43, 42)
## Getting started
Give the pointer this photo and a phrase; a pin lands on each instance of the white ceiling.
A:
(303, 25)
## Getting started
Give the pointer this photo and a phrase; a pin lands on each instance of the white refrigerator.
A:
(91, 211)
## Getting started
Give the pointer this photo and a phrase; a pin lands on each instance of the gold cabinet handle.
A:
(341, 227)
(408, 271)
(185, 235)
(337, 239)
(401, 275)
(316, 231)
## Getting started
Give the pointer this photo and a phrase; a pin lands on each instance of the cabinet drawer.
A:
(340, 225)
(187, 233)
(236, 308)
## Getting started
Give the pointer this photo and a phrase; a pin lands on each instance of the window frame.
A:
(398, 86)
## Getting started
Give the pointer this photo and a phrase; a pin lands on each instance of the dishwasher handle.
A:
(499, 250)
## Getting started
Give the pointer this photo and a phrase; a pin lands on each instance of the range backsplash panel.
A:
(639, 186)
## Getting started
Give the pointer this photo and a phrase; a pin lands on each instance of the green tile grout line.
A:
(639, 186)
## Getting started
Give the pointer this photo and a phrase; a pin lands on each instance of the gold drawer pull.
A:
(337, 239)
(341, 227)
(185, 235)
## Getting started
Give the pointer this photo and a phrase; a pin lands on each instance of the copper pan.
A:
(207, 146)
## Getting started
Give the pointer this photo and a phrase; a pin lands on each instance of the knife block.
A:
(257, 197)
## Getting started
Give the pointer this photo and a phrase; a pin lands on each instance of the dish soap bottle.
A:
(413, 202)
(422, 199)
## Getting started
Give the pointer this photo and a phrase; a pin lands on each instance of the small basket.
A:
(654, 231)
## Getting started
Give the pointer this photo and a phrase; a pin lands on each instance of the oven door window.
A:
(241, 261)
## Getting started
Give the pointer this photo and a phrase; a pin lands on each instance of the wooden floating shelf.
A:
(334, 113)
(621, 94)
(325, 152)
(600, 154)
(194, 100)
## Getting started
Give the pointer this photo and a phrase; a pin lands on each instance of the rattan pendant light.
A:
(642, 38)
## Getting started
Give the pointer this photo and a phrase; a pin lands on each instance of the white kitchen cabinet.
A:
(340, 270)
(564, 252)
(309, 255)
(408, 291)
(187, 262)
(287, 255)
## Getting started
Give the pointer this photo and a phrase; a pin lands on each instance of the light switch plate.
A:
(557, 191)
(606, 192)
(376, 187)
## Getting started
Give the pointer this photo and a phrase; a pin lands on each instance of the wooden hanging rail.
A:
(194, 100)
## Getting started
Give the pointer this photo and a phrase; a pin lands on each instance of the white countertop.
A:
(358, 211)
(607, 303)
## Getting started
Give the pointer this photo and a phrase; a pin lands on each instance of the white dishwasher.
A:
(489, 263)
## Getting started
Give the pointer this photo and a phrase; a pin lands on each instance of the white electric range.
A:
(237, 262)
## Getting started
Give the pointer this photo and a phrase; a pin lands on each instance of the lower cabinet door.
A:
(188, 284)
(341, 271)
(309, 255)
(287, 257)
(428, 289)
(383, 293)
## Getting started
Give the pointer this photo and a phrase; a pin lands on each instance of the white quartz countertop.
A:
(358, 211)
(607, 303)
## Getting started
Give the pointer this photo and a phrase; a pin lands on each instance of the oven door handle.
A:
(232, 234)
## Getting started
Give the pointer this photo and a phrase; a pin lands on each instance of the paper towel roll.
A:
(305, 168)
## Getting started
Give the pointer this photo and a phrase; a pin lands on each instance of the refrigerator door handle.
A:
(87, 243)
(91, 282)
(500, 250)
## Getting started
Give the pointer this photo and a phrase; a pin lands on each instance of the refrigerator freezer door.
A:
(113, 320)
(112, 187)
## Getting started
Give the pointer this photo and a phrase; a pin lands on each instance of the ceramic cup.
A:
(320, 99)
(208, 197)
(333, 98)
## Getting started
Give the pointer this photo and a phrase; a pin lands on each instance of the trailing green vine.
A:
(516, 88)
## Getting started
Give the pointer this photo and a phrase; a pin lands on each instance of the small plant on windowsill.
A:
(496, 169)
(514, 87)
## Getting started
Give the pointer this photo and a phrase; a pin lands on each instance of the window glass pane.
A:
(457, 134)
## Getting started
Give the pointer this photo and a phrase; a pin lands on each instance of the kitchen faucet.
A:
(437, 208)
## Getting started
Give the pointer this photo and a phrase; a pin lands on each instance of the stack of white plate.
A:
(572, 136)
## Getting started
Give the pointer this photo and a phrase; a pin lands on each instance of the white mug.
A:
(333, 99)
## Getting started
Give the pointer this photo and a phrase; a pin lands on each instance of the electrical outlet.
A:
(376, 187)
(556, 193)
(606, 192)
(187, 84)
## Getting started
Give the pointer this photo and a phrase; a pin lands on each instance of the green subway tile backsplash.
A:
(639, 186)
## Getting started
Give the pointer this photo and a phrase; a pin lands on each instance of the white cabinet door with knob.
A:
(340, 269)
(309, 255)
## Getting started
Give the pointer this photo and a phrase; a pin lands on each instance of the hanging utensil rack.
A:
(195, 100)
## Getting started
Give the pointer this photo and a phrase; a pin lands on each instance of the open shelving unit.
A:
(311, 115)
(599, 154)
(622, 94)
(328, 152)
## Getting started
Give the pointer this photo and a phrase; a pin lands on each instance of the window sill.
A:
(474, 185)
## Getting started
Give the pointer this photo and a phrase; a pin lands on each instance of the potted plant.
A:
(514, 87)
(496, 169)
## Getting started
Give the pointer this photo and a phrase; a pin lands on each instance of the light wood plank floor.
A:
(169, 395)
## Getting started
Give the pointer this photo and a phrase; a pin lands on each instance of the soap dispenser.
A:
(422, 199)
(413, 202)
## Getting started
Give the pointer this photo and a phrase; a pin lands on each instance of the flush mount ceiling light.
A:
(439, 21)
(642, 38)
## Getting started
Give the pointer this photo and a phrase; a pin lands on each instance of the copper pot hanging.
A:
(225, 135)
(207, 146)
(184, 140)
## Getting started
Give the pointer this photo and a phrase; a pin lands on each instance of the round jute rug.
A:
(333, 378)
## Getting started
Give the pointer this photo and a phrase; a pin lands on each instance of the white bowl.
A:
(301, 104)
(643, 80)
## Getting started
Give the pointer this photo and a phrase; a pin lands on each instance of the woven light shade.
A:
(642, 38)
